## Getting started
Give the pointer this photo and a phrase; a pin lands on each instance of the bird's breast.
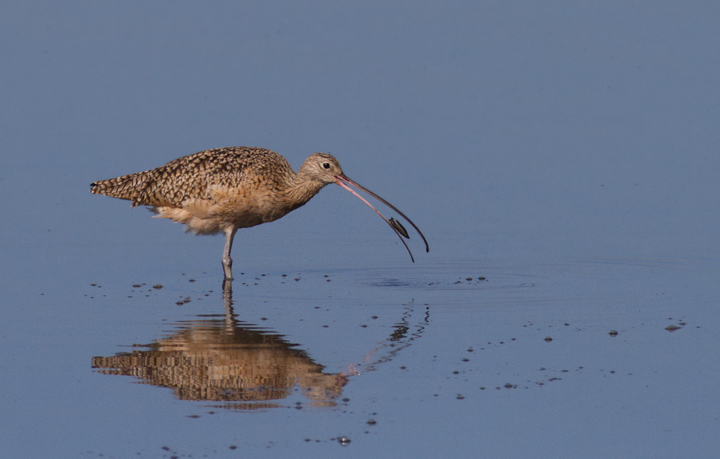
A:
(244, 207)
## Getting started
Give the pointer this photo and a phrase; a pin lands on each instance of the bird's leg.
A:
(226, 260)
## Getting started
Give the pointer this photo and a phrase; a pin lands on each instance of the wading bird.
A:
(225, 189)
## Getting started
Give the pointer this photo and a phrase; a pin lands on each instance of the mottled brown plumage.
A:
(225, 189)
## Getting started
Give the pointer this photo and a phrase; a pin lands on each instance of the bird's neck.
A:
(301, 189)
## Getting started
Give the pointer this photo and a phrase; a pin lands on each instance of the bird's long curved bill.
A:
(345, 182)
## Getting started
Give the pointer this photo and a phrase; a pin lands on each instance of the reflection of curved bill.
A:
(225, 360)
(405, 333)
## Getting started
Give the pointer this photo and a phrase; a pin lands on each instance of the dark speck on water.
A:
(157, 286)
(344, 441)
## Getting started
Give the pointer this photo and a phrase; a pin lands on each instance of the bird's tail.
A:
(125, 187)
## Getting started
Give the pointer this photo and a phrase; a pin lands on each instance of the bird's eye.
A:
(326, 165)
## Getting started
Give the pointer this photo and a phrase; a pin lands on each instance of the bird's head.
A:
(321, 167)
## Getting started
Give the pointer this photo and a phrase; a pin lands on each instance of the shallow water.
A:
(562, 162)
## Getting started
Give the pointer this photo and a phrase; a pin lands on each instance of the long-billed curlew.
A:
(225, 189)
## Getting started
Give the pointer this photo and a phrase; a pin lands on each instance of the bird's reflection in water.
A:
(222, 359)
(218, 358)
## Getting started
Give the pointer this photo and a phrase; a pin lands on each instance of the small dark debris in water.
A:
(682, 323)
(469, 279)
(93, 285)
(346, 400)
(325, 275)
(460, 397)
(400, 229)
(307, 440)
(187, 300)
(180, 303)
(465, 360)
(344, 441)
(481, 278)
(325, 326)
(263, 318)
(328, 280)
(374, 317)
(548, 338)
(456, 372)
(470, 349)
(371, 422)
(613, 333)
(194, 416)
(482, 387)
(284, 275)
(166, 448)
(672, 328)
(508, 386)
(297, 279)
(157, 286)
(137, 285)
(235, 447)
(402, 367)
(363, 326)
(567, 324)
(191, 280)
